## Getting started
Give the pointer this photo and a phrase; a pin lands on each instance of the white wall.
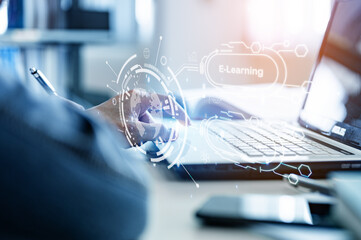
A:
(196, 26)
(202, 25)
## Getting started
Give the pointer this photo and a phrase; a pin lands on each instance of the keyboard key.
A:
(333, 152)
(289, 154)
(269, 152)
(260, 146)
(233, 141)
(254, 154)
(295, 148)
(303, 152)
(240, 144)
(320, 152)
(273, 154)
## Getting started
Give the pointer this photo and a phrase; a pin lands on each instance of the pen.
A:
(44, 82)
(299, 181)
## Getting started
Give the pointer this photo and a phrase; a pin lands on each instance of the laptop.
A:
(327, 136)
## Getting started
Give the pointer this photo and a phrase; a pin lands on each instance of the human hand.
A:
(135, 115)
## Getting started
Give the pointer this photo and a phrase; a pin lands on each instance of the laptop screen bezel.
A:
(317, 62)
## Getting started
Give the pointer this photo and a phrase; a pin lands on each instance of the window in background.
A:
(3, 16)
(275, 20)
(144, 15)
(297, 22)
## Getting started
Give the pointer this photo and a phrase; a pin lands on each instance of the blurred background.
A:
(71, 40)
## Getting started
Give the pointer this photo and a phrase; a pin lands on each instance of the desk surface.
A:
(173, 203)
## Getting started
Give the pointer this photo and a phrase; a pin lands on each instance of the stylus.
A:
(299, 181)
(44, 82)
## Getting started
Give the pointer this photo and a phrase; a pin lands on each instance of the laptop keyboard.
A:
(264, 141)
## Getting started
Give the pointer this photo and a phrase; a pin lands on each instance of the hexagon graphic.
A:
(293, 179)
(301, 50)
(256, 47)
(304, 170)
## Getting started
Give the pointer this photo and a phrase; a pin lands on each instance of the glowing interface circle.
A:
(137, 79)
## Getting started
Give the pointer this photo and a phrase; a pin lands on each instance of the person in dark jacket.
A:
(66, 173)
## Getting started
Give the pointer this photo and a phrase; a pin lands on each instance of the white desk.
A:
(173, 204)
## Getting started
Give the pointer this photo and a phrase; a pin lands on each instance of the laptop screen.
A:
(333, 103)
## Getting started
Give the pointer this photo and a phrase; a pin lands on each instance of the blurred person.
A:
(66, 173)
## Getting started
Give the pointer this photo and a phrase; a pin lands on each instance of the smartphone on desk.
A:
(251, 208)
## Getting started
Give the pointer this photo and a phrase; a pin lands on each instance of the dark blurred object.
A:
(84, 19)
(260, 208)
(77, 18)
(49, 14)
(15, 14)
(343, 54)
